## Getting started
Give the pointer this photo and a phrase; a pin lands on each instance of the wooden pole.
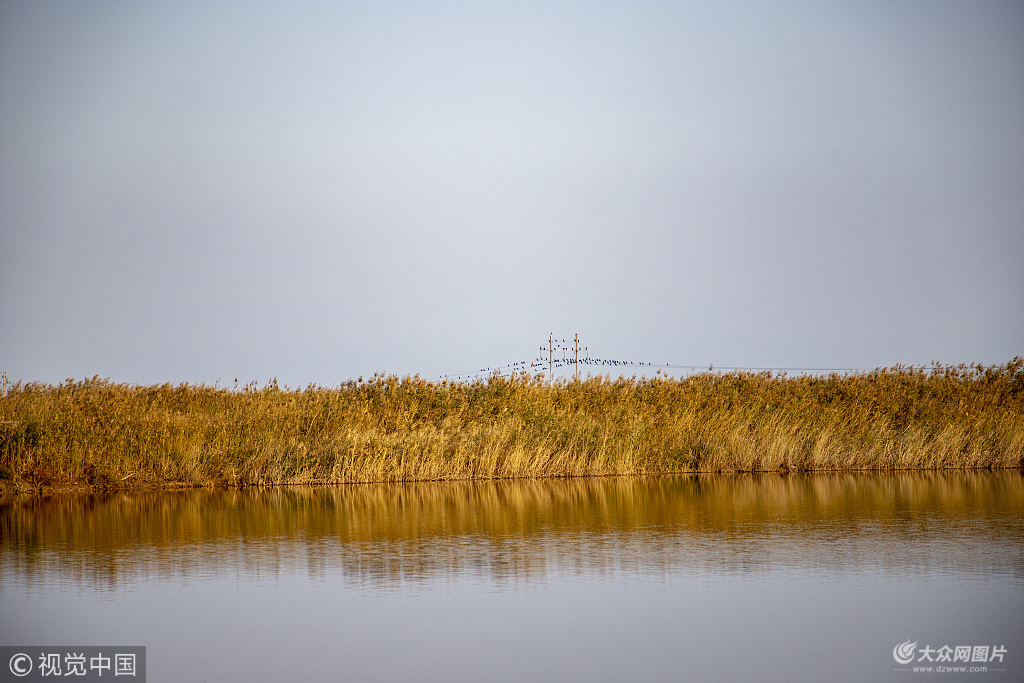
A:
(577, 358)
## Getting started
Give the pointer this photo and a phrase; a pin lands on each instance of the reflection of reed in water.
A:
(511, 531)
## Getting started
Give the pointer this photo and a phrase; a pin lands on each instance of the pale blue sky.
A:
(317, 191)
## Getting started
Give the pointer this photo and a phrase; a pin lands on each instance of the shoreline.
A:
(9, 488)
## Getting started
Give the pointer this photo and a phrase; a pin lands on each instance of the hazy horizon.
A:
(320, 191)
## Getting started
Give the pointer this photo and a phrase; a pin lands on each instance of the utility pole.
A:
(551, 359)
(577, 358)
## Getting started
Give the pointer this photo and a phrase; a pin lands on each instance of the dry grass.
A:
(103, 434)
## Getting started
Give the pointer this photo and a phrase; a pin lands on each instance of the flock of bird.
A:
(568, 350)
(546, 361)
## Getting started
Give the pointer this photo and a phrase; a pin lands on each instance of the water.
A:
(740, 577)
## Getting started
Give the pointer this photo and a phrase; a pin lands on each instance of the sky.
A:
(313, 192)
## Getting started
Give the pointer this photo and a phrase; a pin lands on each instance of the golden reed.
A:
(102, 434)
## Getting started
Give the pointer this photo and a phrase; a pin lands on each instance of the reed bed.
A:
(388, 429)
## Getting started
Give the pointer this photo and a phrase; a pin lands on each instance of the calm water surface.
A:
(773, 578)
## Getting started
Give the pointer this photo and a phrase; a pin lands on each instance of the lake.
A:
(720, 577)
